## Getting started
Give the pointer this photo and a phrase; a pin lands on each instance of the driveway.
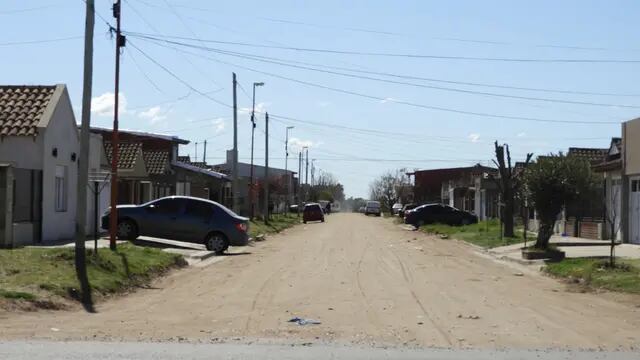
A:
(368, 282)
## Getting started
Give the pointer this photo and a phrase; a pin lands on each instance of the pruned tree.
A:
(509, 184)
(326, 187)
(551, 182)
(612, 220)
(390, 187)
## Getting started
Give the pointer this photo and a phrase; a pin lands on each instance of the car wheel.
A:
(419, 223)
(322, 220)
(217, 243)
(127, 230)
(304, 221)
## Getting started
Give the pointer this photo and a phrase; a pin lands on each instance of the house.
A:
(631, 181)
(610, 169)
(149, 168)
(39, 150)
(278, 179)
(467, 188)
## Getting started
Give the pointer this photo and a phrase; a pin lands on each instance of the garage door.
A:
(634, 211)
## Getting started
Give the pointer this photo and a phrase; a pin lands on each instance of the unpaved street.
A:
(368, 281)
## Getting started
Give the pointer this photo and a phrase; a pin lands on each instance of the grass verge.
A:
(31, 274)
(596, 273)
(485, 234)
(277, 223)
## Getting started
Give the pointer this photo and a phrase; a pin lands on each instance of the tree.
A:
(551, 182)
(612, 219)
(326, 187)
(390, 187)
(509, 184)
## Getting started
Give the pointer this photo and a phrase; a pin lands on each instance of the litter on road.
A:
(301, 321)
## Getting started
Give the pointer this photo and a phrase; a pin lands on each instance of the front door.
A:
(634, 211)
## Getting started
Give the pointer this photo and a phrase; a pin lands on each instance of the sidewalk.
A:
(573, 248)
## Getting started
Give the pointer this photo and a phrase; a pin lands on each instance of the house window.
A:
(61, 188)
(635, 185)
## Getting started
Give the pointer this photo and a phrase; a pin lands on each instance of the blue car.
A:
(182, 218)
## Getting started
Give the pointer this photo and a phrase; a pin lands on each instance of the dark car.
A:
(183, 218)
(438, 213)
(406, 208)
(312, 212)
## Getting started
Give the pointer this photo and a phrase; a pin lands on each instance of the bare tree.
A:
(509, 183)
(612, 220)
(390, 187)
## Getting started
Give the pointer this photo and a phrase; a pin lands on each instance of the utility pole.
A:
(83, 159)
(234, 168)
(196, 156)
(204, 154)
(253, 130)
(306, 175)
(113, 218)
(266, 169)
(286, 161)
(313, 172)
(299, 182)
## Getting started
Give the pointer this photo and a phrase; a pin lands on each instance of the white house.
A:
(631, 180)
(39, 150)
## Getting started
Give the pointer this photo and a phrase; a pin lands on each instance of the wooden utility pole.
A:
(234, 169)
(113, 218)
(306, 175)
(266, 169)
(83, 159)
(299, 182)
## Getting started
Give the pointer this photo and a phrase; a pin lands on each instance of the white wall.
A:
(23, 152)
(631, 134)
(60, 133)
(96, 155)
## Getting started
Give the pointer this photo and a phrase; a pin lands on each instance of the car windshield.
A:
(287, 179)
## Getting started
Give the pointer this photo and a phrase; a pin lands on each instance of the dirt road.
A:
(368, 282)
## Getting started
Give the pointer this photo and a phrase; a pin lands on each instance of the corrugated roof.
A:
(143, 134)
(201, 170)
(127, 154)
(156, 161)
(21, 108)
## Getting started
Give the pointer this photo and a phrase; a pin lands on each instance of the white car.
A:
(372, 208)
(396, 208)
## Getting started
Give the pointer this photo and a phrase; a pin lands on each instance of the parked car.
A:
(373, 208)
(438, 213)
(182, 218)
(361, 210)
(293, 208)
(312, 212)
(395, 209)
(406, 208)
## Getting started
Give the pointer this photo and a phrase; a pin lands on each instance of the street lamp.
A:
(306, 173)
(286, 161)
(253, 129)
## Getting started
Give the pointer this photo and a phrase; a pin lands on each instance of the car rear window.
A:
(313, 207)
(373, 204)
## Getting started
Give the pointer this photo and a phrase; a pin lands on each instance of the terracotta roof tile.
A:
(127, 154)
(589, 154)
(156, 161)
(21, 108)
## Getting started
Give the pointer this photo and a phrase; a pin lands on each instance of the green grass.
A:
(277, 223)
(485, 233)
(595, 273)
(30, 273)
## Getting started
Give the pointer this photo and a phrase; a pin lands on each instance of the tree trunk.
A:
(508, 216)
(544, 233)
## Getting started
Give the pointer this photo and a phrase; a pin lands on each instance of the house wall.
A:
(61, 133)
(29, 155)
(96, 156)
(631, 135)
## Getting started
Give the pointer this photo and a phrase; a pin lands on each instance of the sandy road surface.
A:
(368, 282)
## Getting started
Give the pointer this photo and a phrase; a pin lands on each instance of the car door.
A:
(450, 216)
(197, 221)
(163, 217)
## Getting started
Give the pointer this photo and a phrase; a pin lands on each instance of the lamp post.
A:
(286, 161)
(253, 129)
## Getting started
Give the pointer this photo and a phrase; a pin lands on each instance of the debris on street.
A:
(302, 322)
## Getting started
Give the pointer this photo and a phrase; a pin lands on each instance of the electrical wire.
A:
(406, 55)
(44, 41)
(135, 62)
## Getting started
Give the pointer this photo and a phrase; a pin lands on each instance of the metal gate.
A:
(634, 211)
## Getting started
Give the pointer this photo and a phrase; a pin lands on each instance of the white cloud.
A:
(103, 105)
(522, 134)
(219, 125)
(261, 108)
(388, 99)
(153, 114)
(474, 137)
(296, 144)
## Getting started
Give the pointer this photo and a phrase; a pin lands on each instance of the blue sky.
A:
(435, 138)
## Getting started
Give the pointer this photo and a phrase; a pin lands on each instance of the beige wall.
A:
(631, 141)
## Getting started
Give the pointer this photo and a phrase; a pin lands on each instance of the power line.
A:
(135, 62)
(407, 103)
(406, 55)
(44, 41)
(432, 87)
(16, 11)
